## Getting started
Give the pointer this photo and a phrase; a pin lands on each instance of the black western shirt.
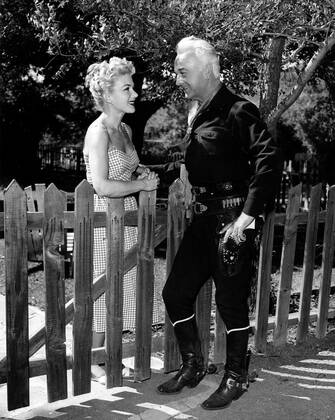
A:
(228, 142)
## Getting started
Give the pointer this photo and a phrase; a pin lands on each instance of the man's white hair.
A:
(201, 49)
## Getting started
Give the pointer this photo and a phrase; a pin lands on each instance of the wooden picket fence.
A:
(154, 226)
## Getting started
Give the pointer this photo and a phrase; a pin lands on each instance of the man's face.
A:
(189, 70)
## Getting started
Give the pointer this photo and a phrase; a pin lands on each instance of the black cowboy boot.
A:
(235, 379)
(192, 369)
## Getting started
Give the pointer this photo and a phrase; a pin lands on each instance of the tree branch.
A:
(304, 77)
(323, 28)
(293, 38)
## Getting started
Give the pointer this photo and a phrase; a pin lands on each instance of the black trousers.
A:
(196, 261)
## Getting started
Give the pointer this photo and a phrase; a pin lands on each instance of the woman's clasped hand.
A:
(150, 180)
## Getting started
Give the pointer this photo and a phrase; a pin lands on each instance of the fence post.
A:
(309, 259)
(287, 262)
(264, 284)
(220, 342)
(83, 279)
(35, 236)
(53, 238)
(203, 313)
(114, 290)
(327, 264)
(16, 297)
(175, 230)
(144, 284)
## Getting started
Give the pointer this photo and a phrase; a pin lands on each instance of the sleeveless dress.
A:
(121, 165)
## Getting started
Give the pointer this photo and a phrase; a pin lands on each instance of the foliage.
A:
(312, 119)
(240, 30)
(47, 45)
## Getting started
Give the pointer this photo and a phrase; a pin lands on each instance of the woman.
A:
(112, 166)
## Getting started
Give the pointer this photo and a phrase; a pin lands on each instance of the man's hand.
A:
(236, 228)
(151, 180)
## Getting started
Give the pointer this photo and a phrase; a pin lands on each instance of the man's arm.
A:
(266, 164)
(264, 156)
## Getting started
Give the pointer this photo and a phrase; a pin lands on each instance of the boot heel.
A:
(239, 394)
(195, 381)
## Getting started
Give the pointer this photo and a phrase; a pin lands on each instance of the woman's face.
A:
(122, 95)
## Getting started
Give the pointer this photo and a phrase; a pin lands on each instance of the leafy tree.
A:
(277, 34)
(33, 101)
(261, 44)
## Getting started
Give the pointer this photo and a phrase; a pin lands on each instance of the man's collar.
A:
(210, 97)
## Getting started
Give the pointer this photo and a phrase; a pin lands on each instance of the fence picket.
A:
(220, 340)
(309, 259)
(35, 236)
(39, 193)
(203, 314)
(30, 198)
(114, 290)
(287, 262)
(327, 265)
(15, 368)
(83, 279)
(264, 283)
(16, 297)
(144, 284)
(53, 238)
(175, 231)
(99, 285)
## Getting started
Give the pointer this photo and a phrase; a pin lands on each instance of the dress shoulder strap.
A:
(126, 129)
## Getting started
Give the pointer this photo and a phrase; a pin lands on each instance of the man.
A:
(234, 167)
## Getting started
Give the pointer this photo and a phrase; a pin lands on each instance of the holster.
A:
(232, 255)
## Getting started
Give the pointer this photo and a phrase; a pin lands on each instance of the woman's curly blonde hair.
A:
(102, 76)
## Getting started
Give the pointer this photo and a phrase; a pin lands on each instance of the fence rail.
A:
(153, 227)
(299, 170)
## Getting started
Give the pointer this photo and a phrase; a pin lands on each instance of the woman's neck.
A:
(112, 119)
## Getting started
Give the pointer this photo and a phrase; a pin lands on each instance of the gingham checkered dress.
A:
(121, 166)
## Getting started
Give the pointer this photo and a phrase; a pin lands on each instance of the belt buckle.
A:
(199, 208)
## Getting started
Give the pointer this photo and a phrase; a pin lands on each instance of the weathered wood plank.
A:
(327, 264)
(309, 260)
(144, 284)
(30, 198)
(38, 367)
(35, 236)
(114, 290)
(53, 238)
(203, 315)
(175, 232)
(16, 296)
(220, 340)
(35, 219)
(39, 193)
(99, 286)
(264, 283)
(83, 279)
(287, 262)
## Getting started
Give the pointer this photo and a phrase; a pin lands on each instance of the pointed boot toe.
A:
(229, 390)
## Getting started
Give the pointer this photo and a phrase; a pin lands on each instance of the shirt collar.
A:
(198, 106)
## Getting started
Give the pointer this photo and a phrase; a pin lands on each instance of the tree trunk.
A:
(138, 120)
(269, 93)
(309, 71)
